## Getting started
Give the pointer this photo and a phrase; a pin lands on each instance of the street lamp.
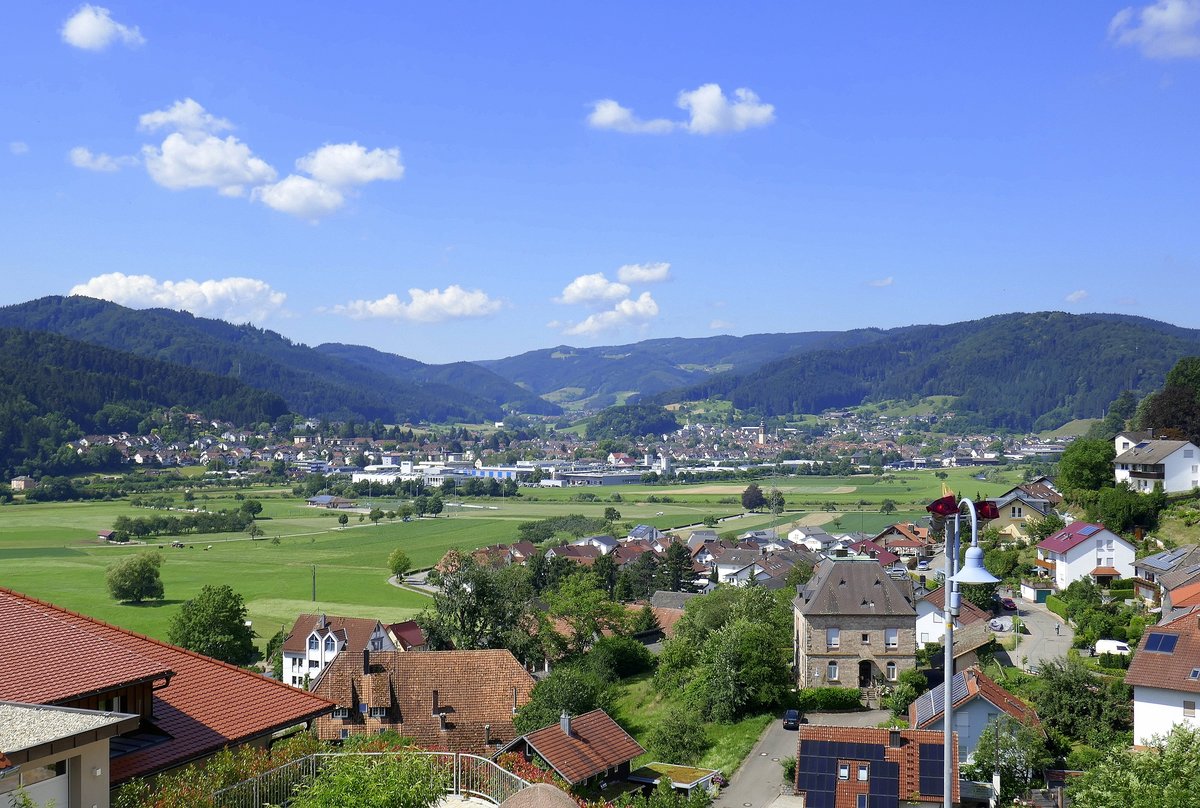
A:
(972, 572)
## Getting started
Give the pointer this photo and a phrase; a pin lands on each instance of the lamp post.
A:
(972, 572)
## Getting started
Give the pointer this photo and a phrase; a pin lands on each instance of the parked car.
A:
(791, 719)
(923, 564)
(1009, 604)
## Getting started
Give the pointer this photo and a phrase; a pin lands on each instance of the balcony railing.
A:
(466, 775)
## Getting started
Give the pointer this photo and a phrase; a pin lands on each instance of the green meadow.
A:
(50, 551)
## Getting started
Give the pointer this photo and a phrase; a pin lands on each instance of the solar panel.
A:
(1161, 643)
(1089, 530)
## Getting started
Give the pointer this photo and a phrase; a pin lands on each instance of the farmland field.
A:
(50, 551)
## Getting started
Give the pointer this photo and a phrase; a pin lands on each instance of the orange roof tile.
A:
(596, 743)
(907, 754)
(356, 631)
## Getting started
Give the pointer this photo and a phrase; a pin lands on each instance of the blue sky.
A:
(468, 181)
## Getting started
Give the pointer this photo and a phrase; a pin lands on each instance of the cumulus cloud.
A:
(93, 28)
(183, 116)
(644, 273)
(592, 289)
(82, 157)
(1077, 296)
(625, 313)
(424, 306)
(709, 110)
(1167, 29)
(18, 147)
(300, 196)
(881, 282)
(608, 114)
(235, 299)
(341, 164)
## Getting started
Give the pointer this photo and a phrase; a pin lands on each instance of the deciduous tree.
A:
(135, 578)
(214, 623)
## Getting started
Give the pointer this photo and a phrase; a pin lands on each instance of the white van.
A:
(1111, 647)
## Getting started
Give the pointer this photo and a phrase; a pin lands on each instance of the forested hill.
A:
(54, 389)
(454, 377)
(600, 375)
(311, 382)
(1013, 371)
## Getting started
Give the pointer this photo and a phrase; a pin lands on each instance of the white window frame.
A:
(891, 638)
(831, 671)
(864, 772)
(833, 638)
(843, 771)
(1189, 709)
(891, 671)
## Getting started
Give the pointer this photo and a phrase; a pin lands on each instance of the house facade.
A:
(977, 700)
(1165, 676)
(853, 626)
(1153, 575)
(316, 640)
(1173, 464)
(1081, 550)
(581, 749)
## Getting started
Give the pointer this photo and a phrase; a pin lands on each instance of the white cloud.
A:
(197, 160)
(300, 196)
(235, 299)
(1077, 296)
(82, 157)
(592, 289)
(183, 116)
(720, 325)
(608, 114)
(93, 28)
(434, 305)
(711, 112)
(881, 282)
(625, 313)
(1167, 29)
(18, 147)
(340, 164)
(644, 273)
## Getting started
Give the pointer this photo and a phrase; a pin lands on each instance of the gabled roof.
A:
(354, 631)
(1181, 575)
(604, 540)
(876, 551)
(968, 612)
(964, 687)
(1151, 452)
(206, 706)
(1073, 535)
(583, 554)
(1169, 560)
(408, 634)
(908, 760)
(855, 587)
(645, 532)
(596, 743)
(1167, 655)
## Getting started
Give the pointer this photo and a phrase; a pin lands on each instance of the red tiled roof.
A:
(1070, 536)
(1105, 571)
(907, 755)
(1186, 595)
(867, 547)
(408, 634)
(355, 631)
(207, 705)
(596, 743)
(968, 612)
(979, 685)
(667, 617)
(1170, 671)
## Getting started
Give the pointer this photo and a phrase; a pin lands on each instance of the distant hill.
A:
(54, 389)
(598, 377)
(1014, 371)
(310, 381)
(457, 376)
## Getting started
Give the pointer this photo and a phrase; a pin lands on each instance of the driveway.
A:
(756, 783)
(1041, 643)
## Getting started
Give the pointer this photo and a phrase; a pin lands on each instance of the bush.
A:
(678, 737)
(821, 699)
(1121, 585)
(788, 764)
(613, 658)
(1057, 605)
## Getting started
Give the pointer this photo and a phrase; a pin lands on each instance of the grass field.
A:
(50, 551)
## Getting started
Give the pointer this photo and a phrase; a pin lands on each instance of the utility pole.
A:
(314, 583)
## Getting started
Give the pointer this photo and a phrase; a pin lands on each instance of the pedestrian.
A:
(1057, 626)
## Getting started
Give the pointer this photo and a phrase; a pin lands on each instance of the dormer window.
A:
(341, 712)
(313, 643)
(378, 712)
(329, 645)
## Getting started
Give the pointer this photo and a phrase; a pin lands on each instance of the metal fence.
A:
(466, 775)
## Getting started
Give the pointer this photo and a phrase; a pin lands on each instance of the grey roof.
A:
(855, 587)
(604, 539)
(1151, 452)
(931, 703)
(740, 558)
(1040, 505)
(48, 729)
(1169, 560)
(645, 532)
(1180, 576)
(671, 600)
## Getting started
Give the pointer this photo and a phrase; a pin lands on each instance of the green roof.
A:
(681, 776)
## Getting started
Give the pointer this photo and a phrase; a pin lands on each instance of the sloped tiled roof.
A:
(855, 588)
(965, 686)
(473, 688)
(408, 634)
(596, 743)
(1073, 535)
(1170, 671)
(876, 551)
(821, 748)
(968, 612)
(207, 705)
(355, 631)
(1151, 452)
(1169, 560)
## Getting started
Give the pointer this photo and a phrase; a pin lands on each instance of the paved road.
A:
(1040, 642)
(756, 784)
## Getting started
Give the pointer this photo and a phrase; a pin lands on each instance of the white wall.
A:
(1156, 710)
(970, 720)
(1181, 471)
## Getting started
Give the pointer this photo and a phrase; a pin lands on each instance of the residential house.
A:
(22, 483)
(315, 641)
(1149, 572)
(815, 539)
(580, 555)
(605, 544)
(57, 755)
(187, 705)
(970, 628)
(1081, 550)
(457, 701)
(589, 748)
(1017, 509)
(888, 560)
(904, 539)
(977, 700)
(854, 625)
(1125, 441)
(737, 567)
(1165, 676)
(407, 636)
(865, 767)
(1173, 464)
(645, 532)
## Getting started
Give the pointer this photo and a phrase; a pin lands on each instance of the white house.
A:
(737, 566)
(931, 625)
(316, 640)
(1173, 463)
(1080, 550)
(1165, 675)
(605, 544)
(813, 538)
(977, 701)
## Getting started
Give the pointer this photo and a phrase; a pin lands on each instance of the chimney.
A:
(436, 709)
(366, 662)
(487, 734)
(894, 738)
(514, 701)
(442, 721)
(324, 624)
(564, 722)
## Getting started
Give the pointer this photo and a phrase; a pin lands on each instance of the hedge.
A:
(1057, 605)
(820, 699)
(1121, 584)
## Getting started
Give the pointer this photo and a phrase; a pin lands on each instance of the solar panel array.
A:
(1088, 530)
(1164, 560)
(816, 773)
(1160, 643)
(931, 775)
(931, 702)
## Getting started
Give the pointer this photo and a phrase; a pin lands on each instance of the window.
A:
(866, 639)
(377, 644)
(314, 663)
(341, 712)
(862, 801)
(1189, 709)
(1017, 512)
(891, 637)
(864, 771)
(891, 671)
(313, 643)
(924, 636)
(377, 712)
(329, 646)
(1195, 674)
(1188, 453)
(833, 638)
(345, 734)
(843, 771)
(831, 672)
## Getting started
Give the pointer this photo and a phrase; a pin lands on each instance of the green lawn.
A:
(637, 710)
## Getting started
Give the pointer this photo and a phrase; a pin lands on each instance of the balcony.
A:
(1148, 473)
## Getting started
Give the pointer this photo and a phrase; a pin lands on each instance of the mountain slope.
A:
(311, 382)
(1015, 371)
